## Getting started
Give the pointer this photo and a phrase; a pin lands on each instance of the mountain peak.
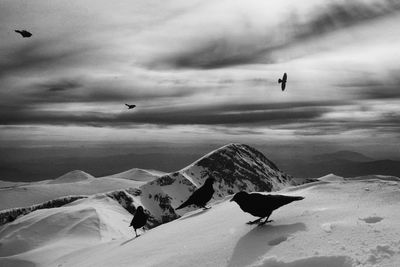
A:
(71, 177)
(235, 167)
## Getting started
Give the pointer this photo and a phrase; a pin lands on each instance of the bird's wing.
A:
(276, 201)
(283, 86)
(127, 105)
(285, 76)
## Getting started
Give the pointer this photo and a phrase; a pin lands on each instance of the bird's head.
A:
(139, 209)
(239, 196)
(210, 180)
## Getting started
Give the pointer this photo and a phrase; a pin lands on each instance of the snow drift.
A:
(340, 223)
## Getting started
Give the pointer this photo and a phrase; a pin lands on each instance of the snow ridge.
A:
(235, 167)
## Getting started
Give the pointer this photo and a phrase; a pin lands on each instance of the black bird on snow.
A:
(260, 205)
(201, 196)
(24, 33)
(139, 219)
(283, 81)
(130, 106)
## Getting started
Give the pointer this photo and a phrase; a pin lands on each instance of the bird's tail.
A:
(279, 80)
(297, 198)
(184, 204)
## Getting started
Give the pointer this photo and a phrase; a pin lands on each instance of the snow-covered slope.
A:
(49, 233)
(72, 177)
(28, 194)
(138, 175)
(235, 167)
(338, 224)
(331, 178)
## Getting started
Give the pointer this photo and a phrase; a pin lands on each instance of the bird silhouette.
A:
(24, 33)
(139, 219)
(283, 81)
(130, 106)
(201, 196)
(260, 205)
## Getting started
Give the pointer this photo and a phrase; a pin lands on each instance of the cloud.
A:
(188, 115)
(250, 39)
(368, 86)
(60, 86)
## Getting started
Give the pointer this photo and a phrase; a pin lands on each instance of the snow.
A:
(138, 175)
(338, 223)
(72, 177)
(62, 230)
(331, 178)
(29, 194)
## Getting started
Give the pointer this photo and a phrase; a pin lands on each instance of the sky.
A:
(201, 72)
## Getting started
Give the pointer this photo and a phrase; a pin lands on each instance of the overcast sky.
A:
(201, 71)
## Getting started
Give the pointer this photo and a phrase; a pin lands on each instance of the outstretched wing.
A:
(283, 85)
(285, 77)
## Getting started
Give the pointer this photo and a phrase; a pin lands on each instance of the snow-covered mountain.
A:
(340, 223)
(72, 177)
(235, 167)
(82, 223)
(137, 174)
(73, 183)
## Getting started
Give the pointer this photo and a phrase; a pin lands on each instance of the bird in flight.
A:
(130, 106)
(260, 205)
(24, 33)
(201, 196)
(283, 81)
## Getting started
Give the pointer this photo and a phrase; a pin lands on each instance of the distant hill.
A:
(138, 175)
(235, 167)
(343, 155)
(72, 177)
(342, 167)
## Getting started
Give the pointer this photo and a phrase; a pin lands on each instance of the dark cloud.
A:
(60, 86)
(225, 50)
(38, 55)
(365, 87)
(190, 115)
(333, 16)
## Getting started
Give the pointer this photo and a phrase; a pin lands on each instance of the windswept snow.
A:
(331, 178)
(34, 193)
(47, 233)
(337, 224)
(136, 174)
(72, 177)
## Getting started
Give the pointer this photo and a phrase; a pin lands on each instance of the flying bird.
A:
(260, 205)
(283, 81)
(24, 33)
(201, 196)
(130, 106)
(139, 219)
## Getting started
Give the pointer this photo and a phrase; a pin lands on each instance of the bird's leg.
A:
(265, 221)
(256, 221)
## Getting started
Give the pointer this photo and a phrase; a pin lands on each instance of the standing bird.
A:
(139, 219)
(283, 81)
(260, 205)
(201, 196)
(24, 33)
(130, 106)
